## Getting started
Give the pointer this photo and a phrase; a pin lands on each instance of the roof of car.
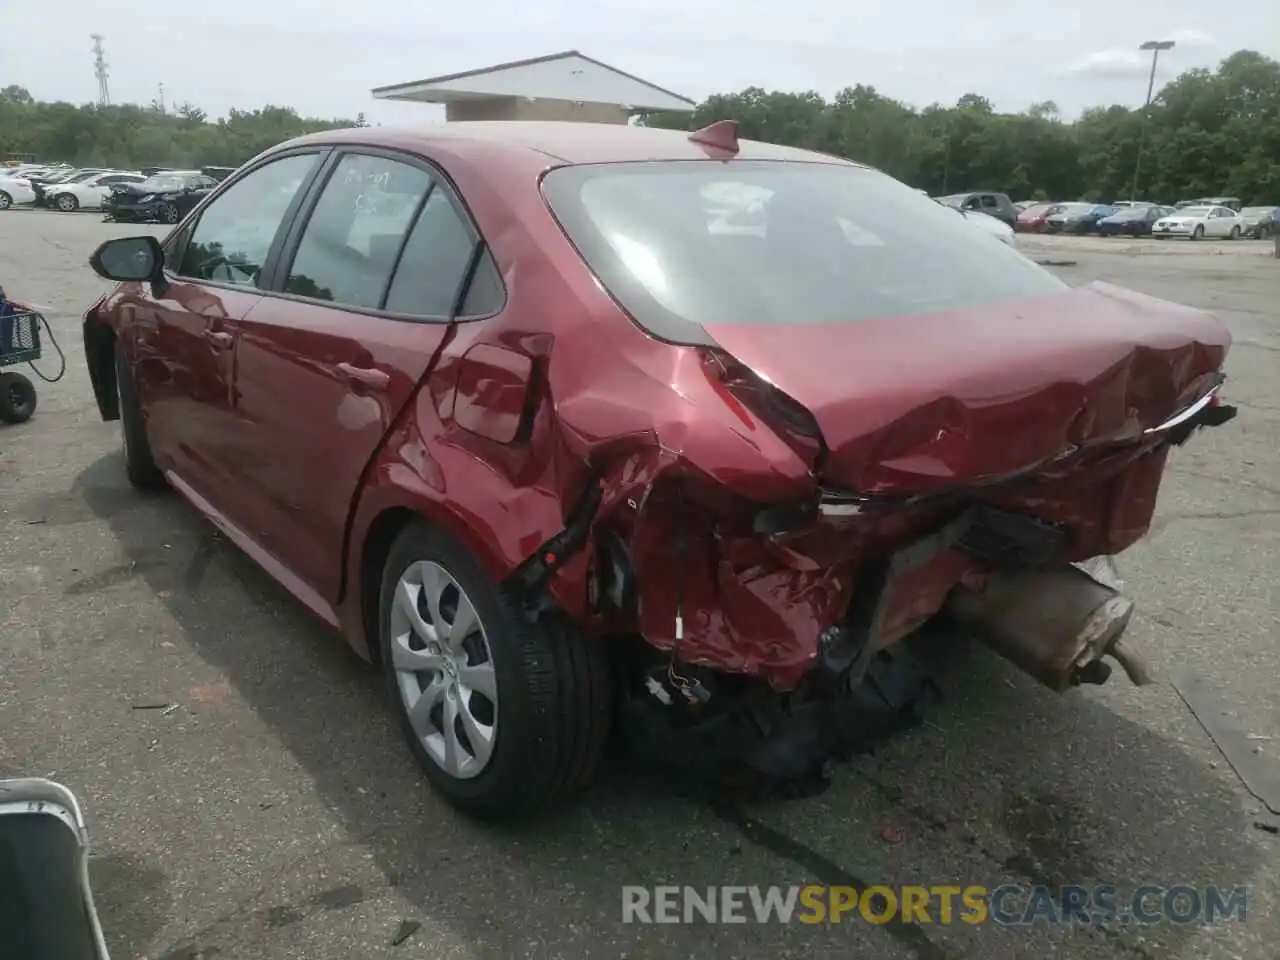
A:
(563, 141)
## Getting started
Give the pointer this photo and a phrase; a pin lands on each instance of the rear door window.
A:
(434, 267)
(235, 233)
(353, 237)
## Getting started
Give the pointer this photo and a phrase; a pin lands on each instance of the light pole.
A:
(1155, 46)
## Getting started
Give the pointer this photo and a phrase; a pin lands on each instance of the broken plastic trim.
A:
(1210, 398)
(529, 580)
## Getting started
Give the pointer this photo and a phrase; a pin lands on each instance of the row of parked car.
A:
(150, 195)
(1205, 217)
(1224, 217)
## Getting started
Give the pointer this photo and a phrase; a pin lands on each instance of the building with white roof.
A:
(562, 86)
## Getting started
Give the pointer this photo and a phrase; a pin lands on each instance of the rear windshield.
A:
(164, 182)
(681, 244)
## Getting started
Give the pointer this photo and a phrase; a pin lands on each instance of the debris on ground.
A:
(407, 929)
(217, 692)
(892, 834)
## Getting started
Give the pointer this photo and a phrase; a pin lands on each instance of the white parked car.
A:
(86, 194)
(1196, 223)
(15, 190)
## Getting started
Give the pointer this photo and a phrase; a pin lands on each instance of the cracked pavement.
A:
(275, 813)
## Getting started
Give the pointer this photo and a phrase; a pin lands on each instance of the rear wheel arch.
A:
(375, 545)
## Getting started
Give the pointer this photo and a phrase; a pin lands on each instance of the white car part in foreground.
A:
(990, 225)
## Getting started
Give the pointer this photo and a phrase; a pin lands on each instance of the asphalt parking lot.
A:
(249, 797)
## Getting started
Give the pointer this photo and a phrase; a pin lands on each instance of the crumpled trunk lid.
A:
(914, 404)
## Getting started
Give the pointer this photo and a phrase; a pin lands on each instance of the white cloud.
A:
(1131, 61)
(1191, 40)
(1116, 62)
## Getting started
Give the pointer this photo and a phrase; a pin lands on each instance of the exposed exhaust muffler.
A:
(1057, 625)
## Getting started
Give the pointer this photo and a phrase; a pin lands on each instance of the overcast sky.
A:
(245, 53)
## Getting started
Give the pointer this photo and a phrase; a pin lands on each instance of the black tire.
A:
(6, 201)
(554, 691)
(139, 466)
(1197, 233)
(1235, 233)
(17, 398)
(66, 203)
(168, 213)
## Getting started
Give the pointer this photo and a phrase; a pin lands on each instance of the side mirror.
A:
(129, 259)
(47, 909)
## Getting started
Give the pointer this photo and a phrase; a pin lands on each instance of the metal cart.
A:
(19, 343)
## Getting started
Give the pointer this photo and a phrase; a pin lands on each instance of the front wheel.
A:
(66, 203)
(1197, 233)
(1235, 233)
(6, 201)
(169, 213)
(506, 717)
(17, 398)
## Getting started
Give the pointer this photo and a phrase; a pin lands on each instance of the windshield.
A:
(1195, 211)
(680, 244)
(1132, 213)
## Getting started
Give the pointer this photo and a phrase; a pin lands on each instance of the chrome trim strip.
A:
(1186, 414)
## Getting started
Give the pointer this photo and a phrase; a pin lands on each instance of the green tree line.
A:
(129, 135)
(1208, 132)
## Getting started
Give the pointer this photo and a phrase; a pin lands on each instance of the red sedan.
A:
(571, 427)
(1031, 220)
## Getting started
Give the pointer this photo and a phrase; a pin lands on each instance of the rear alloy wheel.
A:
(169, 213)
(67, 203)
(1197, 233)
(17, 398)
(139, 466)
(6, 201)
(506, 717)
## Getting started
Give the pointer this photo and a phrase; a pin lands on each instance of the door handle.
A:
(370, 377)
(219, 338)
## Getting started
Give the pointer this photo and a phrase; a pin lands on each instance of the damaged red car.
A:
(582, 430)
